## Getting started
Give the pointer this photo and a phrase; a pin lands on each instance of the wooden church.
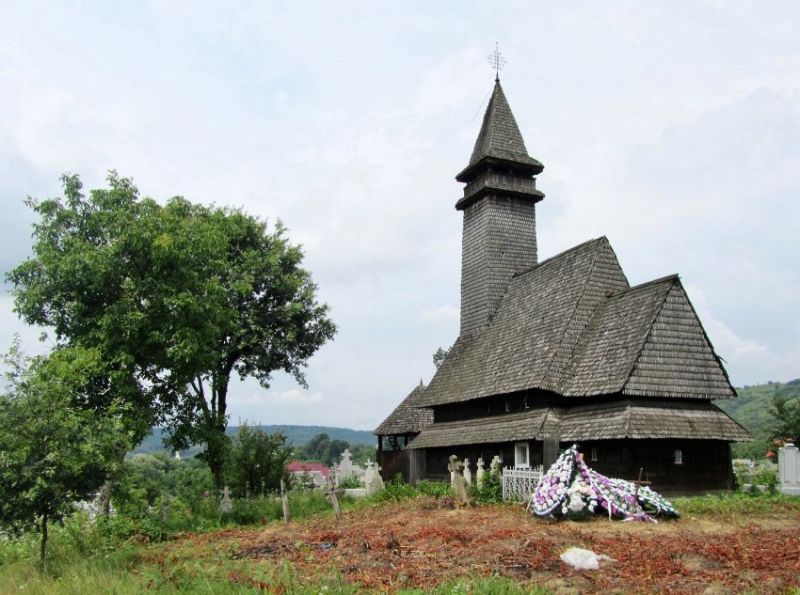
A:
(561, 350)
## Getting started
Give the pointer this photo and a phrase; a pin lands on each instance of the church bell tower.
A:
(499, 205)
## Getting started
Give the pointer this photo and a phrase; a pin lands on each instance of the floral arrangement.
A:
(571, 489)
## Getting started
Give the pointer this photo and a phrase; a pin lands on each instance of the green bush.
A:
(488, 491)
(350, 483)
(396, 490)
(434, 489)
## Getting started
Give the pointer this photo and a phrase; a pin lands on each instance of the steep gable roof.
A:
(406, 418)
(647, 341)
(534, 330)
(571, 325)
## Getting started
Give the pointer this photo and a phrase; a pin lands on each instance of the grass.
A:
(89, 557)
(737, 504)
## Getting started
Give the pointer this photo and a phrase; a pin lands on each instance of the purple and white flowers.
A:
(571, 489)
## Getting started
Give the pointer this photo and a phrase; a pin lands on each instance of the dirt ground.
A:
(418, 544)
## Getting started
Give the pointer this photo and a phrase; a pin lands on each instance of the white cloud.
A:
(444, 313)
(350, 123)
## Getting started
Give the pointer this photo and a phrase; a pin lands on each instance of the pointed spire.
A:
(500, 138)
(499, 151)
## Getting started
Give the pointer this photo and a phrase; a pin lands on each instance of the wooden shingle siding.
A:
(499, 239)
(406, 418)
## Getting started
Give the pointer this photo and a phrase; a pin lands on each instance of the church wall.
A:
(705, 464)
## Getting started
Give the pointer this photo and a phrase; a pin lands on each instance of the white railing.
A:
(519, 484)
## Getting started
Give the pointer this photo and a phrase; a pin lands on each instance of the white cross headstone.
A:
(789, 469)
(496, 462)
(481, 471)
(467, 472)
(372, 479)
(345, 470)
(226, 505)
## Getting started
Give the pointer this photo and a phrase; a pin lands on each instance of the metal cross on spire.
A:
(497, 61)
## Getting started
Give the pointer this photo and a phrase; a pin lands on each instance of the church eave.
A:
(522, 164)
(531, 195)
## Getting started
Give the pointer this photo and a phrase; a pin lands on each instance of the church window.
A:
(678, 456)
(521, 455)
(593, 454)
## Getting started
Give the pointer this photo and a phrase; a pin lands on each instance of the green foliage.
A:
(396, 490)
(786, 412)
(321, 448)
(440, 356)
(147, 478)
(488, 491)
(350, 483)
(176, 298)
(434, 489)
(54, 450)
(361, 453)
(257, 462)
(736, 504)
(295, 435)
(754, 409)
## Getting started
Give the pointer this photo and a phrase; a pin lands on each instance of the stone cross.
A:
(456, 469)
(481, 471)
(373, 482)
(495, 465)
(467, 472)
(226, 505)
(344, 470)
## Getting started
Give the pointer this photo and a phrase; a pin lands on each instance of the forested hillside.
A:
(751, 410)
(295, 436)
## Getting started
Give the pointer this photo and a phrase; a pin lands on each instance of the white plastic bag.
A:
(581, 559)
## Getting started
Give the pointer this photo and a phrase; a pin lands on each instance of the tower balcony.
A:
(495, 182)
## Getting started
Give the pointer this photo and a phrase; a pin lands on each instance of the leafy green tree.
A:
(362, 453)
(786, 412)
(316, 448)
(257, 461)
(54, 450)
(440, 356)
(176, 297)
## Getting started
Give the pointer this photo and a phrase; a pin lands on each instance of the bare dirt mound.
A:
(416, 544)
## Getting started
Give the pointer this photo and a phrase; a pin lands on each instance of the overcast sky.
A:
(672, 128)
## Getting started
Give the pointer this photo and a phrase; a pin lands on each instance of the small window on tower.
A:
(678, 456)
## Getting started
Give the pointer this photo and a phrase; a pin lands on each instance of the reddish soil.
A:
(420, 545)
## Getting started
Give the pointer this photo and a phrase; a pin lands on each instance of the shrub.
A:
(489, 490)
(350, 483)
(435, 489)
(396, 490)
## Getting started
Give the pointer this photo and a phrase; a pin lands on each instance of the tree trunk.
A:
(216, 440)
(43, 545)
(104, 498)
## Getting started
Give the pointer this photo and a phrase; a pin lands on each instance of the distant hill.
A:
(295, 435)
(751, 410)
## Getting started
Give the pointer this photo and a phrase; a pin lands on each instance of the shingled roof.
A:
(499, 139)
(407, 418)
(573, 326)
(603, 421)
